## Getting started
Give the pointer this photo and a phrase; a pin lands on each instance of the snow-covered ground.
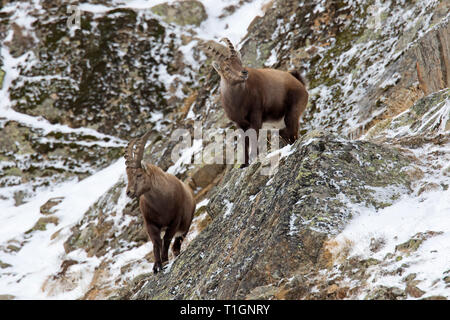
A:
(421, 217)
(397, 224)
(42, 252)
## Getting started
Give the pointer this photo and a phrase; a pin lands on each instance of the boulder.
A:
(188, 12)
(270, 227)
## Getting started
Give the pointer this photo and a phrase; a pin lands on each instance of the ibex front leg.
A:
(155, 235)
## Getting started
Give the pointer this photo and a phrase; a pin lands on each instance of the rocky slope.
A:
(355, 209)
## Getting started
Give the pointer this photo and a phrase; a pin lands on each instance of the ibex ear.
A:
(216, 66)
(145, 167)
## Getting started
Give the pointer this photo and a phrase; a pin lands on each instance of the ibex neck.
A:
(147, 178)
(232, 91)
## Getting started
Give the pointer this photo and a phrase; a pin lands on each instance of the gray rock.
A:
(285, 225)
(183, 13)
(46, 208)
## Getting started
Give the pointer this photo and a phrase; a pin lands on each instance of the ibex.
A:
(166, 204)
(251, 96)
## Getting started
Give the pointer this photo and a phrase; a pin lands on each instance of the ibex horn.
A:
(129, 152)
(215, 52)
(140, 148)
(233, 52)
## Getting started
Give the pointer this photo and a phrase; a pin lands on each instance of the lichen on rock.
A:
(183, 13)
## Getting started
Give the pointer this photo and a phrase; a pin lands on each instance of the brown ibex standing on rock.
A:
(167, 204)
(251, 96)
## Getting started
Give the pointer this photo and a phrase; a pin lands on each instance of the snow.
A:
(202, 203)
(134, 255)
(292, 228)
(397, 224)
(20, 13)
(28, 264)
(233, 26)
(272, 59)
(186, 157)
(390, 81)
(414, 215)
(286, 151)
(131, 4)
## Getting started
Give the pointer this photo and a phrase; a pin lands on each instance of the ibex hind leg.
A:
(285, 136)
(168, 236)
(291, 119)
(290, 133)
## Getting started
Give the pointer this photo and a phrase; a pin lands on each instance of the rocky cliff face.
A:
(354, 209)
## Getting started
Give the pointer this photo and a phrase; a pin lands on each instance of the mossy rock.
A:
(2, 76)
(39, 159)
(4, 265)
(409, 246)
(386, 293)
(107, 71)
(416, 241)
(13, 248)
(369, 262)
(41, 224)
(299, 214)
(183, 13)
(262, 293)
(14, 138)
(46, 208)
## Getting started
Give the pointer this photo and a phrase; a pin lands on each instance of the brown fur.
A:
(166, 204)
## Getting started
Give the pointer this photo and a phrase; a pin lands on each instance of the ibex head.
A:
(137, 175)
(228, 64)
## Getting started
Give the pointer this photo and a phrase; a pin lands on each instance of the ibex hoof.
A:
(157, 267)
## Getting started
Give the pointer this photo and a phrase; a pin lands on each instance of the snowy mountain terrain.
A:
(358, 208)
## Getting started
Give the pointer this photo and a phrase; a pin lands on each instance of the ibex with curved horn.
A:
(167, 204)
(251, 96)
